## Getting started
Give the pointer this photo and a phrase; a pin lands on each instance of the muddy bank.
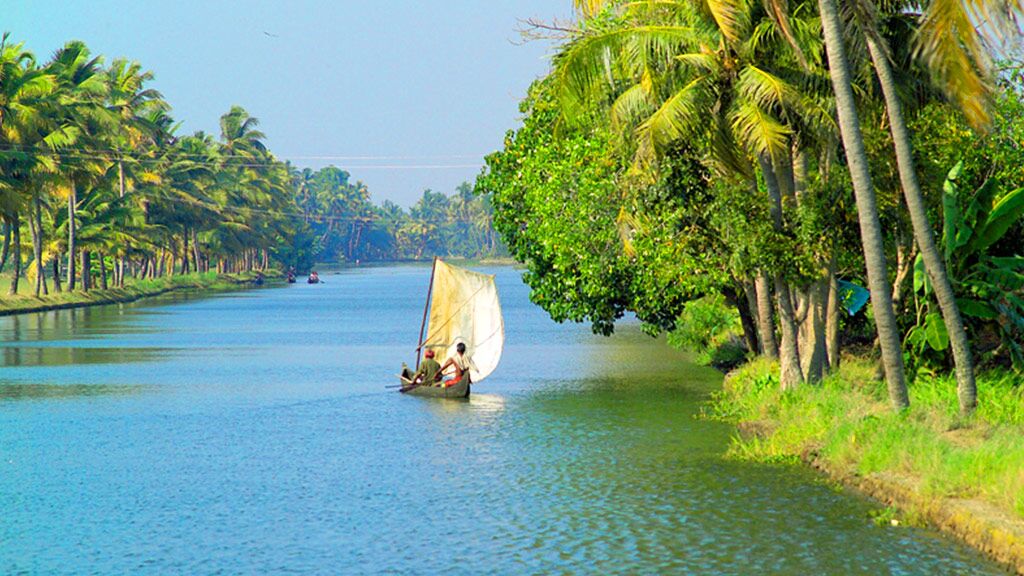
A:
(978, 524)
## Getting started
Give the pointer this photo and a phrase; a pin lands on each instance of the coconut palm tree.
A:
(80, 93)
(953, 48)
(25, 100)
(140, 114)
(867, 206)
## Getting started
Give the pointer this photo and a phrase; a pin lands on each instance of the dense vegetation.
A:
(346, 227)
(97, 187)
(781, 158)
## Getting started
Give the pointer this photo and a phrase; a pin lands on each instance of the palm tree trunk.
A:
(86, 270)
(765, 322)
(790, 373)
(904, 267)
(813, 349)
(814, 299)
(72, 200)
(867, 209)
(16, 275)
(184, 252)
(832, 318)
(751, 294)
(742, 303)
(37, 239)
(359, 233)
(120, 263)
(103, 271)
(56, 274)
(195, 250)
(37, 287)
(7, 244)
(967, 391)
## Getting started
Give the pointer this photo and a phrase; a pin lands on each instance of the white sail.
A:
(464, 308)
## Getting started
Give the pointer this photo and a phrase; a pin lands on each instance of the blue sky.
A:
(424, 88)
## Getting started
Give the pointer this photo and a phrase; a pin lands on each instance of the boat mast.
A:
(426, 308)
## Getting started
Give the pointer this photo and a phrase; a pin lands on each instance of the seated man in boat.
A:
(429, 372)
(462, 363)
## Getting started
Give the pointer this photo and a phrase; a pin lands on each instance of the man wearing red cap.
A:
(429, 372)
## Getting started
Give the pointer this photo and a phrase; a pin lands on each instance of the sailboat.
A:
(462, 307)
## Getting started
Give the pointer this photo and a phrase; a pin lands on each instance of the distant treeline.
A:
(347, 227)
(96, 186)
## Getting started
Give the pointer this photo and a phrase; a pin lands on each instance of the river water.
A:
(252, 433)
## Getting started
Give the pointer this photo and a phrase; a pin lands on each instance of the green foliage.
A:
(348, 227)
(555, 200)
(989, 288)
(597, 240)
(710, 327)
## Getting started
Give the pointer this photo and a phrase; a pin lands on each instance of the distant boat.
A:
(462, 306)
(291, 278)
(314, 278)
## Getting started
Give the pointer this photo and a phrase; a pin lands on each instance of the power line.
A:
(243, 211)
(215, 159)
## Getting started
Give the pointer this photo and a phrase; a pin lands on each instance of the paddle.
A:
(406, 383)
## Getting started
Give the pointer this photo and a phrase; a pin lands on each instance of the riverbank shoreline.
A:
(495, 261)
(133, 291)
(962, 477)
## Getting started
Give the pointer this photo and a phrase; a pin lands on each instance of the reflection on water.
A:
(22, 355)
(93, 321)
(37, 391)
(273, 446)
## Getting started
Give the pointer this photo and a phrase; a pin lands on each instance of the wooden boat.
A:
(462, 307)
(458, 390)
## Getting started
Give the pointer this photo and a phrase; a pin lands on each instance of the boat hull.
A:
(456, 391)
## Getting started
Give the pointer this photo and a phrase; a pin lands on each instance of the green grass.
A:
(847, 421)
(711, 329)
(133, 290)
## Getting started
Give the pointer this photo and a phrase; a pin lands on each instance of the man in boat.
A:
(462, 363)
(429, 372)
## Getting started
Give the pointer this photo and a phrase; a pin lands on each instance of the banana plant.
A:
(989, 286)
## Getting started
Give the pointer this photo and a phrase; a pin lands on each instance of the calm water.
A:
(251, 433)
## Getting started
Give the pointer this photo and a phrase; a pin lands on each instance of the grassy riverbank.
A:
(133, 290)
(964, 476)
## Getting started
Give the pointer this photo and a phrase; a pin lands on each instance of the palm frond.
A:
(764, 88)
(759, 131)
(954, 39)
(730, 17)
(675, 118)
(585, 66)
(630, 106)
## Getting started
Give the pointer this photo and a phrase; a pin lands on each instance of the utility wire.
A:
(243, 211)
(216, 159)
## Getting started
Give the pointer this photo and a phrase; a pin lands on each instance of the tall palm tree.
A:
(867, 206)
(25, 103)
(239, 133)
(139, 113)
(81, 90)
(953, 47)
